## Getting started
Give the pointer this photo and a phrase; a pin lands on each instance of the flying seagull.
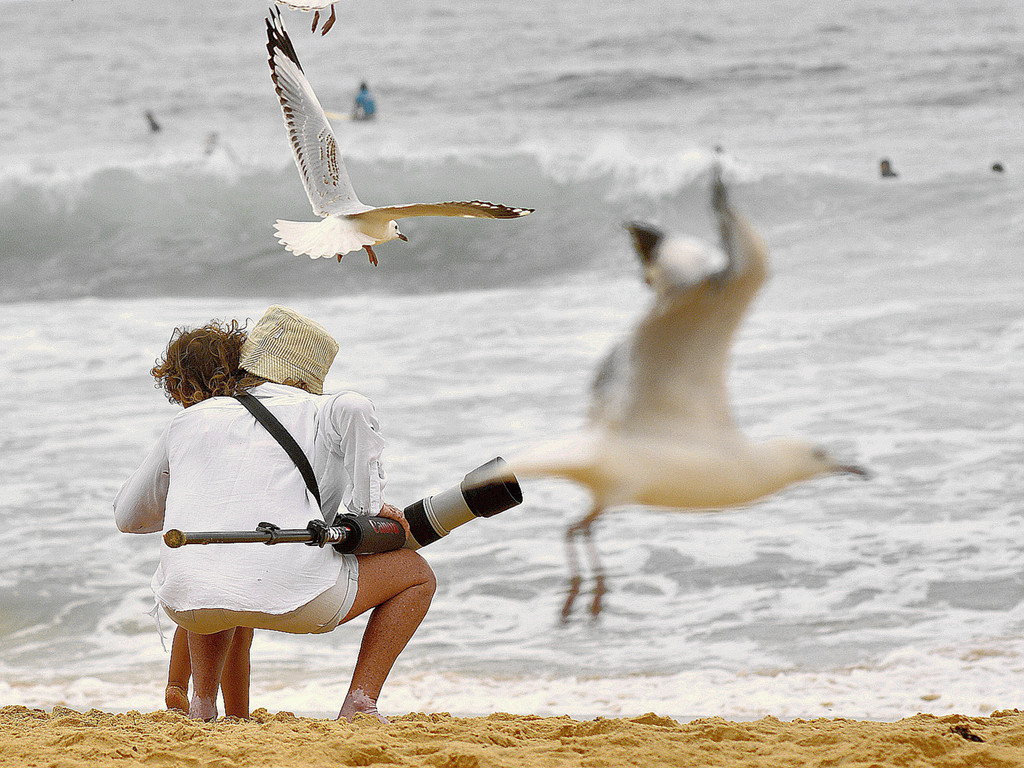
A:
(316, 6)
(347, 224)
(660, 430)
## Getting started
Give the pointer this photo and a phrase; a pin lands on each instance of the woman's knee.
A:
(419, 570)
(389, 574)
(429, 580)
(411, 569)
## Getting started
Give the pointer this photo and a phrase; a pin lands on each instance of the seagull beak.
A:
(403, 238)
(853, 469)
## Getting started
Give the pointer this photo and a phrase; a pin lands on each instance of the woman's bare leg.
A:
(178, 673)
(208, 654)
(234, 682)
(398, 586)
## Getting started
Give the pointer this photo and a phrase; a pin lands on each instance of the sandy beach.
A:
(64, 737)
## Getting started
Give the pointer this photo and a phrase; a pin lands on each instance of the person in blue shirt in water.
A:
(365, 107)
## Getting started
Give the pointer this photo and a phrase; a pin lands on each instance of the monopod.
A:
(487, 490)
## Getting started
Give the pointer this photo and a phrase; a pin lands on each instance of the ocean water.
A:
(892, 330)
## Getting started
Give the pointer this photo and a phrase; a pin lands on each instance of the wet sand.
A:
(64, 737)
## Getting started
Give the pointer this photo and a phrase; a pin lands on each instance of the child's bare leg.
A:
(234, 682)
(398, 586)
(178, 673)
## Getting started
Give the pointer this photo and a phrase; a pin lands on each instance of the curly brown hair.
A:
(200, 363)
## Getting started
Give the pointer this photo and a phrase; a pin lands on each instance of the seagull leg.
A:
(316, 20)
(595, 566)
(339, 255)
(575, 579)
(330, 23)
(570, 598)
(575, 576)
(369, 250)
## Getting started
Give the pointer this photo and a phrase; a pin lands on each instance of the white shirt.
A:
(215, 468)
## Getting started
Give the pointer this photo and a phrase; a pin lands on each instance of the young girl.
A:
(199, 364)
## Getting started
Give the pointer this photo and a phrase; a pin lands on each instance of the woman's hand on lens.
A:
(394, 513)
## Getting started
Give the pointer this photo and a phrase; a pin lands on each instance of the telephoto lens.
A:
(487, 490)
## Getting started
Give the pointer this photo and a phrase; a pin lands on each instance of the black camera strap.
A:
(283, 436)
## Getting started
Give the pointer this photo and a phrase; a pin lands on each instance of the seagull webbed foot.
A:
(316, 20)
(373, 256)
(329, 23)
(599, 591)
(570, 598)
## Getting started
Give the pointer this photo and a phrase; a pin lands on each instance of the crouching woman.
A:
(216, 468)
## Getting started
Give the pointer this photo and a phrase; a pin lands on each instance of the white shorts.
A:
(321, 614)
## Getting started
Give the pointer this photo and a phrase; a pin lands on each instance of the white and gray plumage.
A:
(660, 429)
(347, 224)
(315, 6)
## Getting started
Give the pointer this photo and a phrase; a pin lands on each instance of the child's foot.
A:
(176, 698)
(358, 702)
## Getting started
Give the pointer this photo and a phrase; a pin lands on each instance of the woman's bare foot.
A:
(358, 702)
(176, 698)
(203, 709)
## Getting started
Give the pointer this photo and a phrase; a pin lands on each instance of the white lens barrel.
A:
(447, 510)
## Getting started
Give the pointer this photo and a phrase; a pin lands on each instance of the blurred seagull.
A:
(313, 5)
(660, 431)
(347, 224)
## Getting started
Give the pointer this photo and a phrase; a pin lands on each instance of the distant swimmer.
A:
(154, 126)
(365, 107)
(211, 143)
(997, 168)
(316, 6)
(218, 148)
(346, 224)
(886, 170)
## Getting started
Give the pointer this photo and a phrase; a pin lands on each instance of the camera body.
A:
(359, 534)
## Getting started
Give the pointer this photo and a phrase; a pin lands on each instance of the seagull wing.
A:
(310, 134)
(669, 377)
(472, 209)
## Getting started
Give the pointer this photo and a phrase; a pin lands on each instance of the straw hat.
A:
(285, 345)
